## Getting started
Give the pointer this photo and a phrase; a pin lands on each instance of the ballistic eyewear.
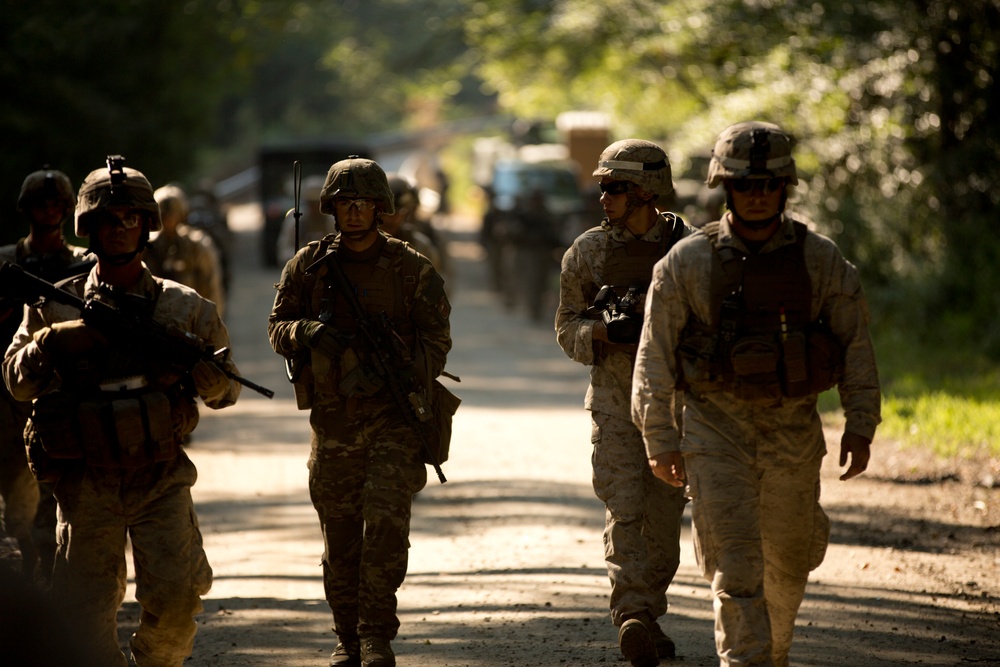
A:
(765, 185)
(344, 205)
(614, 187)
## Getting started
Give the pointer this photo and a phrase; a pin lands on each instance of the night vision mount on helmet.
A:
(115, 186)
(357, 178)
(752, 150)
(637, 161)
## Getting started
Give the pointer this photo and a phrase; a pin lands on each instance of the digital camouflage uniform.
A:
(29, 513)
(101, 505)
(752, 466)
(190, 258)
(642, 523)
(365, 465)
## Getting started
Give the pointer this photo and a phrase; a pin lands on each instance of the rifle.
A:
(181, 347)
(383, 346)
(10, 301)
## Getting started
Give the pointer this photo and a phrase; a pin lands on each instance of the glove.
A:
(65, 341)
(304, 331)
(329, 342)
(209, 380)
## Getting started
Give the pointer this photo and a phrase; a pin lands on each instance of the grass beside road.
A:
(946, 399)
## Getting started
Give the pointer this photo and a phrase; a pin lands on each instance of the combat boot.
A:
(636, 644)
(376, 652)
(347, 653)
(664, 645)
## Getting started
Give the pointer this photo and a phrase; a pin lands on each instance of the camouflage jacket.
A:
(580, 279)
(300, 295)
(788, 430)
(190, 258)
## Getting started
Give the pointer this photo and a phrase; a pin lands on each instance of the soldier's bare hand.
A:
(600, 332)
(859, 449)
(669, 467)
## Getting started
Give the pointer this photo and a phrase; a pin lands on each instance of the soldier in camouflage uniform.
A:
(643, 515)
(108, 418)
(182, 253)
(365, 463)
(402, 224)
(29, 512)
(752, 318)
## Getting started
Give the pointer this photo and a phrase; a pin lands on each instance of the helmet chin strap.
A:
(632, 204)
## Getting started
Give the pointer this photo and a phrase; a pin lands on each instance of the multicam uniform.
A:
(120, 471)
(642, 523)
(752, 453)
(365, 466)
(23, 504)
(189, 257)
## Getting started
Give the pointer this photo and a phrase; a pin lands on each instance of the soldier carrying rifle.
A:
(109, 415)
(364, 319)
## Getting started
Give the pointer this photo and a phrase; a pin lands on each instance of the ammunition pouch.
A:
(762, 367)
(444, 405)
(126, 430)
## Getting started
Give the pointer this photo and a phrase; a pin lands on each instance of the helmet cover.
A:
(637, 161)
(115, 186)
(46, 184)
(752, 150)
(357, 178)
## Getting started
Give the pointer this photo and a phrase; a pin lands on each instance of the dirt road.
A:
(506, 564)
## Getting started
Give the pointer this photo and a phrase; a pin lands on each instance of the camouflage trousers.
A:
(758, 532)
(364, 469)
(152, 506)
(18, 488)
(642, 520)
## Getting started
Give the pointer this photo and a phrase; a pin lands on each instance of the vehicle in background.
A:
(276, 162)
(535, 209)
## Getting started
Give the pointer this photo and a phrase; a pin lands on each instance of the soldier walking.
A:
(751, 319)
(365, 464)
(643, 515)
(108, 418)
(29, 511)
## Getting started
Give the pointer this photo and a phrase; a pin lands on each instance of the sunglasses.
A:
(345, 205)
(614, 187)
(767, 185)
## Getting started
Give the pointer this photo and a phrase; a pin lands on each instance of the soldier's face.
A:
(118, 230)
(756, 199)
(614, 198)
(48, 212)
(355, 216)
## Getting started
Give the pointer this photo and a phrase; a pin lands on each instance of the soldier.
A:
(365, 464)
(405, 226)
(643, 515)
(108, 418)
(182, 253)
(47, 199)
(752, 318)
(313, 225)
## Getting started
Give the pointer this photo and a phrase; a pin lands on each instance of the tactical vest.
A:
(761, 344)
(117, 407)
(386, 284)
(629, 263)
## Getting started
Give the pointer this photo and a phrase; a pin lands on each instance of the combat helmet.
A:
(115, 185)
(358, 178)
(172, 200)
(404, 191)
(637, 161)
(752, 150)
(46, 184)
